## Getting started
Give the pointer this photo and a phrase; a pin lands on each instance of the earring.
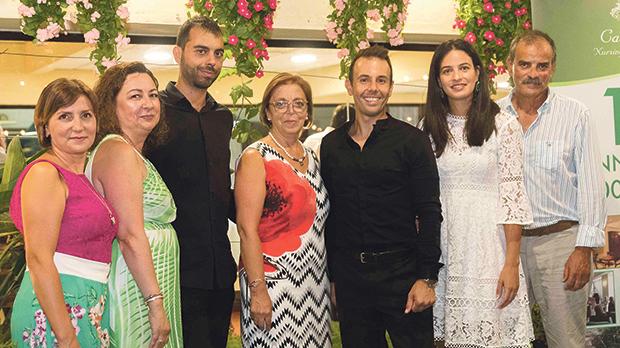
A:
(477, 88)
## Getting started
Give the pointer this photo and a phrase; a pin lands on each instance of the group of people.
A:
(442, 233)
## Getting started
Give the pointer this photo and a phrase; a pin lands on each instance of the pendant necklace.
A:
(299, 160)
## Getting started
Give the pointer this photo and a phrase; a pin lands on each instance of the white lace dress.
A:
(481, 189)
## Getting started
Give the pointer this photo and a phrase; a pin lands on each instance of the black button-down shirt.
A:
(194, 162)
(377, 192)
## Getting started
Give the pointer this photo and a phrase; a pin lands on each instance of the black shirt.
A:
(377, 192)
(194, 163)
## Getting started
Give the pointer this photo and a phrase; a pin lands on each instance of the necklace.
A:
(103, 203)
(458, 117)
(299, 160)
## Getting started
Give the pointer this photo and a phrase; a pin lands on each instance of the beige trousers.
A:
(563, 312)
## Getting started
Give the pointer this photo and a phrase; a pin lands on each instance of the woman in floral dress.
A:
(281, 208)
(68, 229)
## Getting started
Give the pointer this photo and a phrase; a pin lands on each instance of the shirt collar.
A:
(545, 105)
(175, 97)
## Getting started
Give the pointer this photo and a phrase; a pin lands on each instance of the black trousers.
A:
(371, 300)
(206, 317)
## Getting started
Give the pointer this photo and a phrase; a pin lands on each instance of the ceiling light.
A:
(425, 77)
(303, 58)
(22, 83)
(156, 56)
(406, 78)
(503, 85)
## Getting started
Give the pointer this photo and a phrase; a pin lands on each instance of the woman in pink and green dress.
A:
(68, 229)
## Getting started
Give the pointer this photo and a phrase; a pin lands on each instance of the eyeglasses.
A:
(282, 105)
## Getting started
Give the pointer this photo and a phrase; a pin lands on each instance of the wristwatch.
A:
(431, 283)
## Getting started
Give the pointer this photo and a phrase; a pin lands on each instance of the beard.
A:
(192, 76)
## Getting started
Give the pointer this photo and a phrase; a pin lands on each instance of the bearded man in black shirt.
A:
(194, 163)
(381, 176)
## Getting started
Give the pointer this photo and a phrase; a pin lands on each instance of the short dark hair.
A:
(58, 94)
(375, 51)
(203, 23)
(529, 37)
(340, 115)
(280, 80)
(480, 123)
(107, 89)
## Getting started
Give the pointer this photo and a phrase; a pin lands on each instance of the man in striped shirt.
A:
(564, 181)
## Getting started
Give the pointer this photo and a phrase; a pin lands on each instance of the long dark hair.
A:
(480, 123)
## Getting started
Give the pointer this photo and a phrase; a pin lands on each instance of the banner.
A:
(587, 38)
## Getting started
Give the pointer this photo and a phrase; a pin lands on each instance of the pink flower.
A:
(488, 7)
(108, 63)
(491, 67)
(42, 35)
(265, 55)
(87, 4)
(489, 35)
(209, 5)
(242, 3)
(91, 36)
(373, 14)
(459, 23)
(396, 41)
(501, 69)
(497, 19)
(263, 43)
(25, 11)
(480, 22)
(258, 6)
(250, 44)
(94, 16)
(527, 25)
(257, 53)
(51, 31)
(268, 22)
(189, 4)
(233, 40)
(121, 41)
(244, 12)
(260, 74)
(499, 42)
(370, 34)
(343, 52)
(392, 33)
(273, 4)
(363, 44)
(339, 5)
(516, 1)
(122, 12)
(520, 11)
(470, 37)
(508, 5)
(492, 76)
(387, 11)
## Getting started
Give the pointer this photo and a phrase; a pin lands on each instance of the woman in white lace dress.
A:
(481, 293)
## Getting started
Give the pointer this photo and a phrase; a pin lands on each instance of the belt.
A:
(375, 257)
(559, 226)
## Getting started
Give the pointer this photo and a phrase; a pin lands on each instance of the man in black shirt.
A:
(381, 175)
(194, 163)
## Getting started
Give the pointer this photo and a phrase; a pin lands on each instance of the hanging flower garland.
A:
(103, 23)
(490, 26)
(347, 25)
(246, 26)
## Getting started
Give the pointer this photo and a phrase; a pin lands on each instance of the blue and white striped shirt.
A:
(562, 169)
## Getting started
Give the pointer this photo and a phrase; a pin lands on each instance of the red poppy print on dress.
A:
(288, 212)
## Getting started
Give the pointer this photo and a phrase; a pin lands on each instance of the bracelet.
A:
(153, 297)
(254, 283)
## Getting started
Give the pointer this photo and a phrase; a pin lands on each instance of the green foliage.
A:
(490, 26)
(103, 18)
(12, 258)
(347, 25)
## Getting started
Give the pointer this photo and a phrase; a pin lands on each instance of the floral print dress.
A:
(294, 260)
(82, 258)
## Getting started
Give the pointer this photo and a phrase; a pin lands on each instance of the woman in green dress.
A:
(130, 119)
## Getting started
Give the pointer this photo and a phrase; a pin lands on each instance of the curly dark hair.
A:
(107, 89)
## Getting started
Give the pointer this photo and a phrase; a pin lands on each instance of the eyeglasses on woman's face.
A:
(282, 105)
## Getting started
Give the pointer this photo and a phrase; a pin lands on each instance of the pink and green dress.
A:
(82, 258)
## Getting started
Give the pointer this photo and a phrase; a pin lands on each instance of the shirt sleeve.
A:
(590, 185)
(513, 206)
(427, 207)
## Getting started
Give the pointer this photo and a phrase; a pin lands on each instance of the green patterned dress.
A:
(128, 313)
